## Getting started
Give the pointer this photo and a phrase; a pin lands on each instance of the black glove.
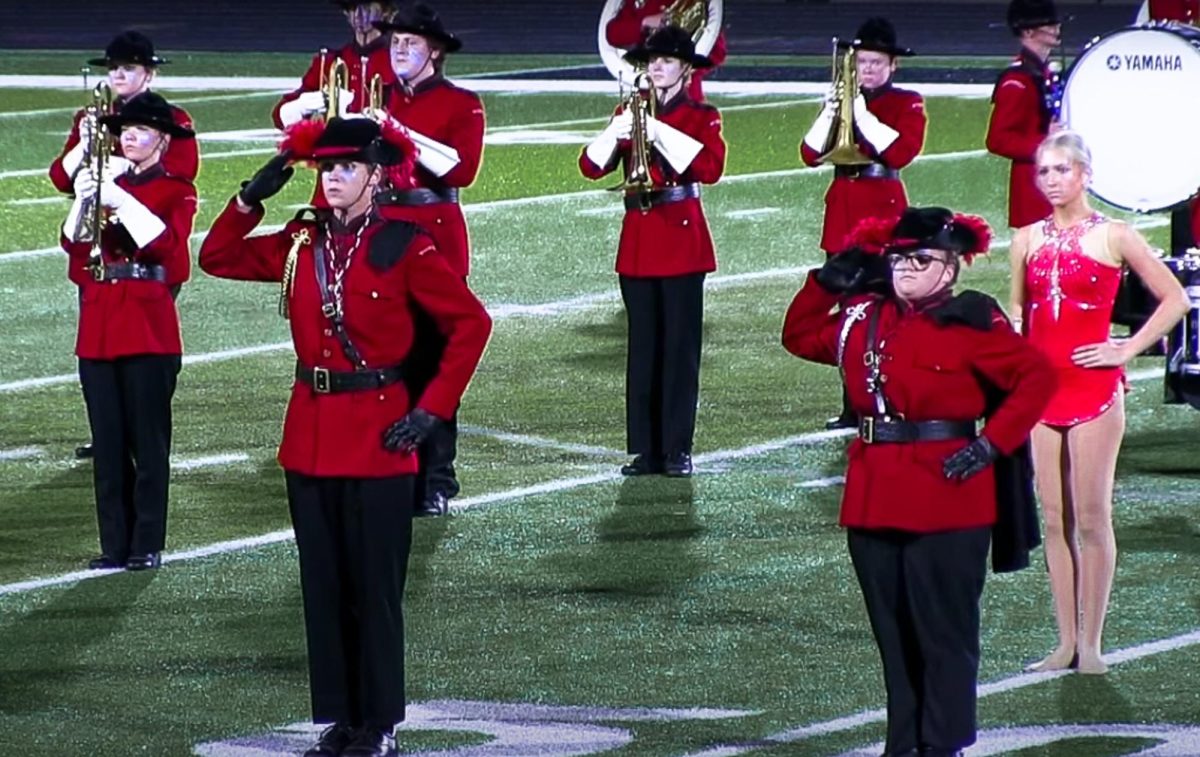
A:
(268, 180)
(406, 434)
(853, 272)
(970, 460)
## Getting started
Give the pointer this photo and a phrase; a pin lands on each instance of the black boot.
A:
(333, 741)
(372, 742)
(642, 465)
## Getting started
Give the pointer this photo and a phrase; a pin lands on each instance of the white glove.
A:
(87, 126)
(602, 148)
(72, 223)
(307, 104)
(113, 196)
(85, 183)
(437, 158)
(117, 166)
(73, 158)
(345, 97)
(818, 133)
(876, 132)
(678, 148)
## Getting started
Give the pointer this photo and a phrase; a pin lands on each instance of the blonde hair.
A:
(1071, 143)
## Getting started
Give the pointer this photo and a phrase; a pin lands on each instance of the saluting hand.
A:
(1109, 354)
(268, 180)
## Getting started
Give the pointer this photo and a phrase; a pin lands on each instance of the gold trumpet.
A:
(642, 104)
(334, 81)
(689, 15)
(842, 149)
(97, 151)
(375, 93)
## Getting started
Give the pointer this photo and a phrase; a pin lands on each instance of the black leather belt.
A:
(419, 196)
(874, 430)
(868, 171)
(325, 381)
(646, 200)
(130, 271)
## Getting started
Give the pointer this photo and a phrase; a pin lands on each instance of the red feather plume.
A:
(871, 235)
(301, 138)
(979, 230)
(400, 174)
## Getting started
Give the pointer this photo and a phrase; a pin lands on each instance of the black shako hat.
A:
(878, 35)
(129, 47)
(670, 42)
(1030, 14)
(147, 109)
(355, 139)
(420, 19)
(939, 229)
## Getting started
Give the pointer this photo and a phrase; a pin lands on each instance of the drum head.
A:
(1134, 96)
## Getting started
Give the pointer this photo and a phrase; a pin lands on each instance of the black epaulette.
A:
(389, 244)
(970, 308)
(311, 214)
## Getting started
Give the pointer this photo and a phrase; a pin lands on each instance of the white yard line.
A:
(1012, 683)
(539, 442)
(83, 96)
(508, 495)
(21, 453)
(209, 461)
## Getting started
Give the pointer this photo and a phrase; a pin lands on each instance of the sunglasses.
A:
(918, 260)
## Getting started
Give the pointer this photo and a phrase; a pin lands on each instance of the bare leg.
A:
(1062, 556)
(1093, 448)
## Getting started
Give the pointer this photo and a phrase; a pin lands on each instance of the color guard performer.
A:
(666, 248)
(365, 57)
(889, 126)
(129, 344)
(447, 124)
(349, 281)
(1024, 107)
(925, 493)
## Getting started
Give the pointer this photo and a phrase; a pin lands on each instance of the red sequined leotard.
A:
(1069, 302)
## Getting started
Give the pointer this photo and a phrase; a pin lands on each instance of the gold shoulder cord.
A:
(287, 284)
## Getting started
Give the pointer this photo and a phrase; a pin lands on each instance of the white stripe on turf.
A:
(507, 495)
(540, 442)
(1018, 681)
(208, 461)
(21, 453)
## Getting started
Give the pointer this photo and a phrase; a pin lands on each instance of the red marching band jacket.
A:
(378, 61)
(125, 317)
(1018, 124)
(182, 158)
(453, 116)
(625, 30)
(340, 434)
(671, 239)
(1184, 11)
(929, 372)
(849, 200)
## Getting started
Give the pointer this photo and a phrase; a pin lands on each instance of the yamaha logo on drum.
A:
(1145, 62)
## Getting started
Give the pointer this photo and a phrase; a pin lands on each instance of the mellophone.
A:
(1145, 158)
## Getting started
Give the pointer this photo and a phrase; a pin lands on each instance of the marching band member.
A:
(665, 251)
(1066, 270)
(447, 124)
(1182, 11)
(1022, 112)
(129, 344)
(349, 280)
(925, 491)
(365, 56)
(635, 19)
(890, 124)
(132, 66)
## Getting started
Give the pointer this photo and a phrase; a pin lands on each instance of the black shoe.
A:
(841, 421)
(104, 562)
(678, 465)
(642, 465)
(333, 741)
(84, 452)
(434, 505)
(144, 562)
(371, 742)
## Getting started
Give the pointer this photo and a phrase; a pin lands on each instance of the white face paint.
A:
(140, 144)
(347, 183)
(129, 79)
(412, 56)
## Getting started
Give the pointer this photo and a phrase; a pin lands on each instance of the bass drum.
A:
(1134, 96)
(1182, 382)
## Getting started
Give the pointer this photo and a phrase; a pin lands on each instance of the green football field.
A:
(560, 610)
